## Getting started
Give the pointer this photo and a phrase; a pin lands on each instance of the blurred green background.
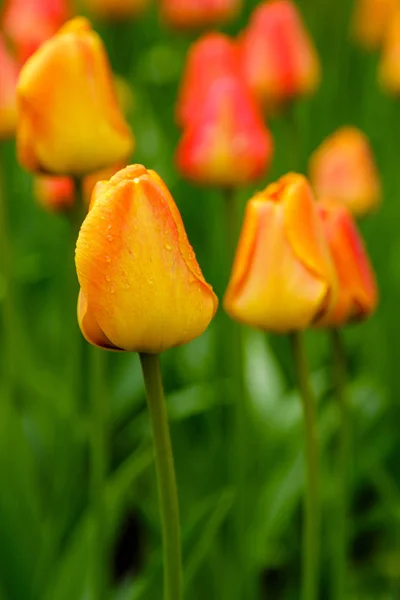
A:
(46, 536)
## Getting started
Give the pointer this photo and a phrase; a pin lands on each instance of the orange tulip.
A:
(69, 120)
(55, 194)
(188, 14)
(371, 20)
(227, 144)
(29, 23)
(389, 68)
(142, 289)
(117, 9)
(357, 295)
(282, 277)
(343, 168)
(211, 57)
(279, 59)
(8, 96)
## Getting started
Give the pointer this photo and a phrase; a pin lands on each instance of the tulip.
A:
(141, 287)
(370, 21)
(189, 14)
(227, 144)
(211, 57)
(8, 97)
(69, 120)
(343, 168)
(282, 277)
(55, 194)
(357, 293)
(279, 59)
(29, 23)
(117, 9)
(389, 74)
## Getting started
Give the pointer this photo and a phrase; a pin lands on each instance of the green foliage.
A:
(46, 536)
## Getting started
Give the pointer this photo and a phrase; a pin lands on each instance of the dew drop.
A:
(168, 247)
(112, 289)
(110, 238)
(108, 259)
(107, 278)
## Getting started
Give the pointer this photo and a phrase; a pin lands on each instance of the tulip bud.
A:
(29, 23)
(8, 97)
(280, 62)
(282, 277)
(117, 9)
(370, 21)
(357, 293)
(211, 57)
(55, 194)
(227, 144)
(142, 289)
(69, 120)
(192, 14)
(389, 72)
(343, 168)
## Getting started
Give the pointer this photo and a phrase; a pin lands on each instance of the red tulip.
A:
(227, 144)
(211, 57)
(29, 23)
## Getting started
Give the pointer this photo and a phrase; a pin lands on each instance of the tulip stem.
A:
(85, 357)
(6, 291)
(310, 574)
(166, 480)
(342, 467)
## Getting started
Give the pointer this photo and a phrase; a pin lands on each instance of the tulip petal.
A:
(276, 291)
(302, 226)
(142, 288)
(90, 328)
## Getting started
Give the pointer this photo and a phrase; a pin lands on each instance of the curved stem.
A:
(310, 580)
(167, 490)
(342, 467)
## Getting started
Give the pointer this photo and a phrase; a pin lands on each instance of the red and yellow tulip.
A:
(141, 286)
(343, 168)
(279, 59)
(282, 278)
(69, 120)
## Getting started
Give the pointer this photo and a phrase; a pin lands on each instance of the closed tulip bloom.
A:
(8, 96)
(69, 120)
(282, 277)
(279, 59)
(29, 23)
(389, 68)
(142, 289)
(55, 194)
(227, 144)
(357, 291)
(117, 9)
(371, 20)
(213, 56)
(192, 14)
(343, 168)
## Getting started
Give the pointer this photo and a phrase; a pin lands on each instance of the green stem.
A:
(8, 306)
(342, 468)
(234, 352)
(99, 466)
(167, 490)
(310, 581)
(86, 358)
